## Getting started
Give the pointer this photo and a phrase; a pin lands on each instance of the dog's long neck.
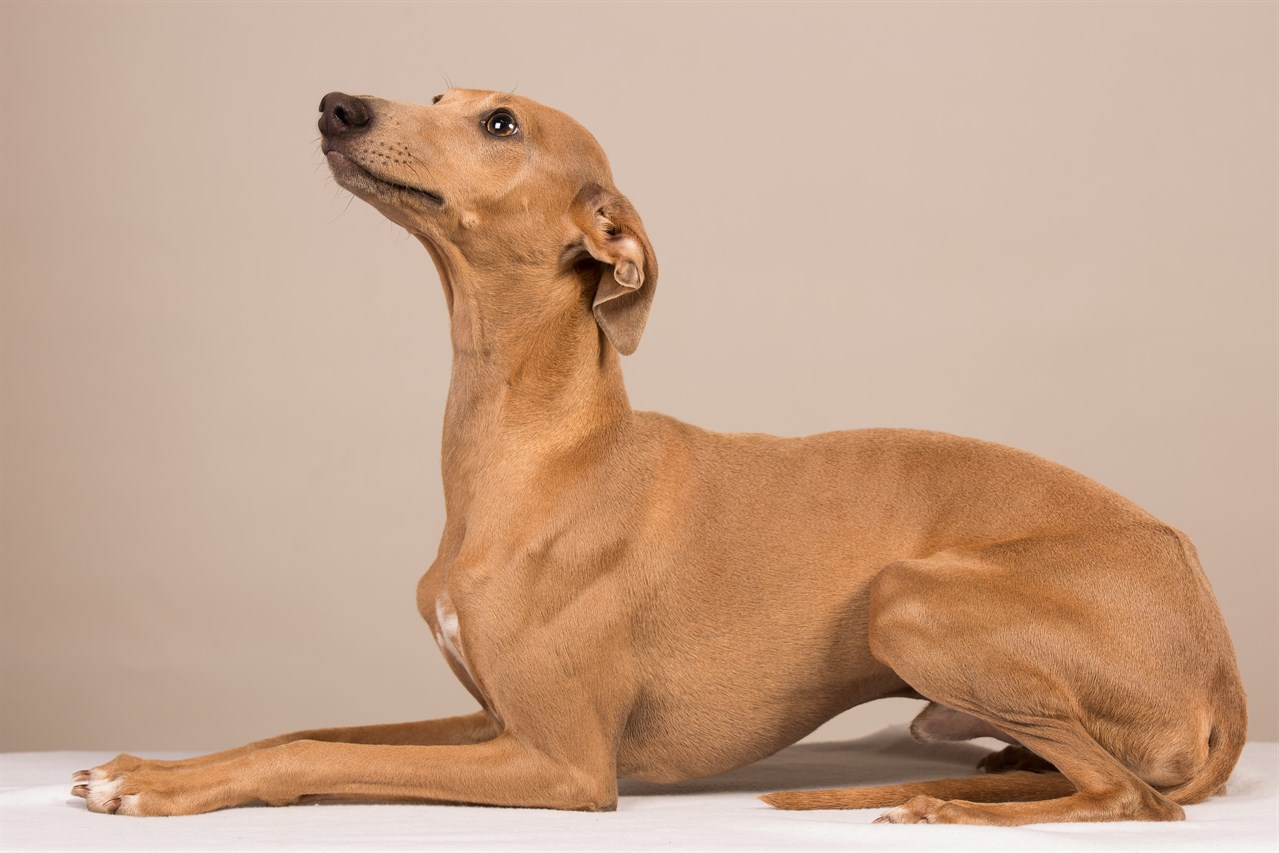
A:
(533, 393)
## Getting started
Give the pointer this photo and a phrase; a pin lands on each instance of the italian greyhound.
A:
(628, 595)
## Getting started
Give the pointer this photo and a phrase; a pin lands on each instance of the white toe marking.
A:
(102, 790)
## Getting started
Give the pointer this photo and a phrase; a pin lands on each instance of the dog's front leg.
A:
(466, 729)
(500, 772)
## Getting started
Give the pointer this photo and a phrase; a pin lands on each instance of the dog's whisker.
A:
(345, 208)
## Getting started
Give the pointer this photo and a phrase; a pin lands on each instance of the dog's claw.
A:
(81, 791)
(112, 806)
(80, 776)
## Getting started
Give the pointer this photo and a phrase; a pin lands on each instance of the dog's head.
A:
(503, 187)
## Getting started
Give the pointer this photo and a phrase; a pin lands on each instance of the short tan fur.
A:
(628, 595)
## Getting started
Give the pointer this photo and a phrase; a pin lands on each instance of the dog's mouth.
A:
(355, 177)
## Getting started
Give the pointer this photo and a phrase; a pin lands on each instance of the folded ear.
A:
(613, 235)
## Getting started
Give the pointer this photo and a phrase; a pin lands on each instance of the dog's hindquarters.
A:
(1105, 654)
(1224, 746)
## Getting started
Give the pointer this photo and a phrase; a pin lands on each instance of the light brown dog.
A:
(625, 594)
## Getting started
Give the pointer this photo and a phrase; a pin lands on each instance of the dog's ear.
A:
(611, 232)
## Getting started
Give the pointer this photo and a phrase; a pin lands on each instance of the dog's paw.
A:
(108, 789)
(123, 763)
(129, 785)
(923, 809)
(1015, 758)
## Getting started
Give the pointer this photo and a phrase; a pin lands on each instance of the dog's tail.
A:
(1014, 786)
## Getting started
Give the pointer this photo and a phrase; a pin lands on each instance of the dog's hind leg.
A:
(1112, 675)
(1012, 637)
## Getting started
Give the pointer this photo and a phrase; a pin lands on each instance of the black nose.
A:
(341, 113)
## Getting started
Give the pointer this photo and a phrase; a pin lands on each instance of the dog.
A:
(628, 595)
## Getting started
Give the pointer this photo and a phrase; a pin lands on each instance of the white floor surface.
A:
(37, 812)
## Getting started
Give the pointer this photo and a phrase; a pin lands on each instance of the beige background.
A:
(1050, 225)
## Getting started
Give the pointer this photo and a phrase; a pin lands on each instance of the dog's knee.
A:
(900, 611)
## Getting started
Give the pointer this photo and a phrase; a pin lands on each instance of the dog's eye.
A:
(501, 123)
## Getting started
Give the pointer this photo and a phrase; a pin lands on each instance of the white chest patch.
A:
(447, 635)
